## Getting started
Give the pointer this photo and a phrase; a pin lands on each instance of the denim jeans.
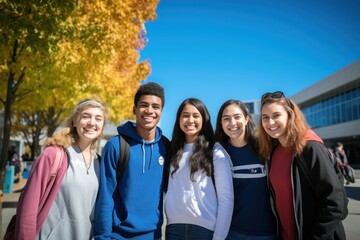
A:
(232, 235)
(181, 231)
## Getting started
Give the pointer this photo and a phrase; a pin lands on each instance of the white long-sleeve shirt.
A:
(198, 202)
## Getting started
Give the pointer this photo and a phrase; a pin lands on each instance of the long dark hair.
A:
(250, 129)
(202, 156)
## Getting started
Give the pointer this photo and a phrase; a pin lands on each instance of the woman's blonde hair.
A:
(296, 128)
(68, 135)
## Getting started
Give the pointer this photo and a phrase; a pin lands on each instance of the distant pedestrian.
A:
(341, 154)
(13, 158)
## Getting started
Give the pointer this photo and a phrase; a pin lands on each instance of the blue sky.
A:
(217, 50)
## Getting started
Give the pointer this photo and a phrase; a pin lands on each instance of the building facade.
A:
(332, 109)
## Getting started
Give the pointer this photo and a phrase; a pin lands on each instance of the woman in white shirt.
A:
(199, 199)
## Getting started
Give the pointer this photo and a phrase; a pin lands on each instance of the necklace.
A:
(84, 159)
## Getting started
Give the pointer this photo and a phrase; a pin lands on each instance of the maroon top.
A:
(280, 178)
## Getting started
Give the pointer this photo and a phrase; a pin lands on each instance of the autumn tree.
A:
(100, 55)
(103, 54)
(52, 53)
(27, 37)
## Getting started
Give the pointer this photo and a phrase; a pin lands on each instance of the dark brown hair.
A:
(250, 129)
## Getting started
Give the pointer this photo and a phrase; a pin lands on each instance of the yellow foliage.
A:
(102, 54)
(96, 53)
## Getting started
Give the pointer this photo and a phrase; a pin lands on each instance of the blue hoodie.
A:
(133, 208)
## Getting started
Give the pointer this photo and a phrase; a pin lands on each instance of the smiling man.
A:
(131, 208)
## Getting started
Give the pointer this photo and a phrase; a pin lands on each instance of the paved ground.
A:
(351, 223)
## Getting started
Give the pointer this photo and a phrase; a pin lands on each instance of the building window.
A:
(338, 109)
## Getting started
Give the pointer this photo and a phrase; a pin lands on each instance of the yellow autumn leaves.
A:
(68, 50)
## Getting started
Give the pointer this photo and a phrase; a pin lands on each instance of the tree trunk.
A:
(10, 97)
(11, 89)
(2, 176)
(52, 120)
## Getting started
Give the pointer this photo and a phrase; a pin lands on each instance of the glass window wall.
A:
(338, 109)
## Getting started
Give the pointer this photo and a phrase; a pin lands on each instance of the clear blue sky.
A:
(217, 50)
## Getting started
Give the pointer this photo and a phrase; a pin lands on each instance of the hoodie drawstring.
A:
(143, 157)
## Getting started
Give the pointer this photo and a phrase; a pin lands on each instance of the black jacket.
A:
(319, 209)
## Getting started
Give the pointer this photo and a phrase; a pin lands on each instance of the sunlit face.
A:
(191, 122)
(148, 112)
(90, 123)
(233, 122)
(274, 119)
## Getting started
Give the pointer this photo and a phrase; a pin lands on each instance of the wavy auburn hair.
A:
(296, 128)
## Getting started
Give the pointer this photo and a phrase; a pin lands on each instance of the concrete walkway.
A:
(351, 223)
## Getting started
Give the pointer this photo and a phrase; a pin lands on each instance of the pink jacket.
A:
(38, 194)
